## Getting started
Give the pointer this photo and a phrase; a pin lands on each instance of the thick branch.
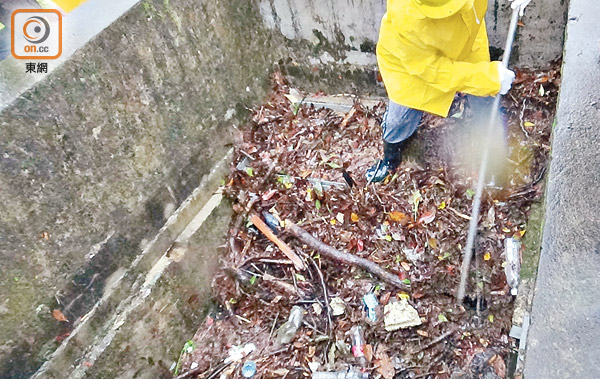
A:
(340, 256)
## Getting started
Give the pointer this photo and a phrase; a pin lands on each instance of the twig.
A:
(325, 294)
(521, 118)
(273, 326)
(220, 367)
(285, 249)
(461, 215)
(275, 261)
(346, 258)
(477, 290)
(437, 340)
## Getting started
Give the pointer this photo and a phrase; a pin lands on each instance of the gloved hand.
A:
(507, 77)
(521, 4)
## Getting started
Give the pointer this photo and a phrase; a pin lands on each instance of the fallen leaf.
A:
(528, 124)
(404, 296)
(422, 333)
(399, 217)
(385, 298)
(427, 217)
(442, 205)
(61, 337)
(487, 256)
(360, 245)
(59, 316)
(432, 243)
(498, 365)
(442, 318)
(416, 199)
(384, 364)
(405, 266)
(368, 350)
(354, 217)
(268, 195)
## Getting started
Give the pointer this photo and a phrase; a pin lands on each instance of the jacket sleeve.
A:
(447, 75)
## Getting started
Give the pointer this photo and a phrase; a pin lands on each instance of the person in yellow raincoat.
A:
(427, 51)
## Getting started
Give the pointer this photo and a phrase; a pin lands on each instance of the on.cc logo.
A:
(36, 29)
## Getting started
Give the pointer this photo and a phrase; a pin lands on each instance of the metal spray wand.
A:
(468, 252)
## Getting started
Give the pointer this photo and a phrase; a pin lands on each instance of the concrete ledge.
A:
(564, 337)
(149, 283)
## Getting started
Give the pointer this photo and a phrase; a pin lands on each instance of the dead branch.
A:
(285, 249)
(439, 339)
(346, 258)
(325, 295)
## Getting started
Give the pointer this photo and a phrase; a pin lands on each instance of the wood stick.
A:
(343, 257)
(285, 249)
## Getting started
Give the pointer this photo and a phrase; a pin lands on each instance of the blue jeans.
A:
(400, 122)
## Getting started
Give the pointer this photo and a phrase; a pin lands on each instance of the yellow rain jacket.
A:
(425, 61)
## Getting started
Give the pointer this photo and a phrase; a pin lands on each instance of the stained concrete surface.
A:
(355, 24)
(564, 338)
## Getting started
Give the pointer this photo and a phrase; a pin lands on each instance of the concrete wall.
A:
(355, 25)
(96, 157)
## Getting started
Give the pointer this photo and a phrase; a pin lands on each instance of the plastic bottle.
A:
(371, 303)
(350, 374)
(512, 269)
(249, 369)
(288, 330)
(358, 345)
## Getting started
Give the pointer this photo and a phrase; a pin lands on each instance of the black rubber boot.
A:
(392, 156)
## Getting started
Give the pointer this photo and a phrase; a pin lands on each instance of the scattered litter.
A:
(512, 248)
(370, 302)
(337, 305)
(287, 331)
(317, 308)
(358, 345)
(405, 234)
(350, 374)
(249, 369)
(238, 352)
(400, 315)
(271, 221)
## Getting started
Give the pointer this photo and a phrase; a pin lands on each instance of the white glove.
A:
(521, 4)
(507, 77)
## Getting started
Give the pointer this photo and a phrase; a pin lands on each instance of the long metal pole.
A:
(468, 252)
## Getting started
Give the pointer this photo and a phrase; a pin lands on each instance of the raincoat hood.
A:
(440, 8)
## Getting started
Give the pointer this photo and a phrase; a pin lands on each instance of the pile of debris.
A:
(326, 276)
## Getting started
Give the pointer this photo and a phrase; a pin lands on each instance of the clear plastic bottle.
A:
(350, 374)
(358, 345)
(288, 330)
(512, 248)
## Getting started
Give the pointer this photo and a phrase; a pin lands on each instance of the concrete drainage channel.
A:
(150, 306)
(140, 309)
